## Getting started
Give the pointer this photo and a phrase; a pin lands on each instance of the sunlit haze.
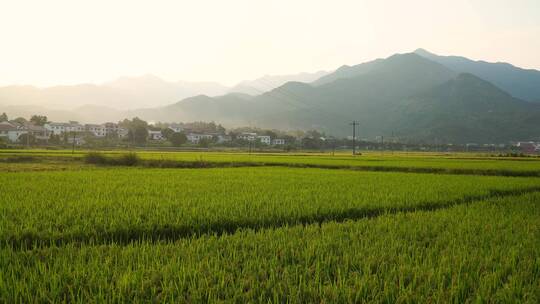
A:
(66, 42)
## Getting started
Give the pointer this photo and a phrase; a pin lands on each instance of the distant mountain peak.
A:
(268, 82)
(520, 83)
(423, 52)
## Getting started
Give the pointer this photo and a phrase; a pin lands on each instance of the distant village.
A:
(38, 131)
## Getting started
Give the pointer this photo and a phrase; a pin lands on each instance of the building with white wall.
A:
(247, 136)
(195, 138)
(96, 130)
(155, 135)
(265, 139)
(56, 128)
(278, 141)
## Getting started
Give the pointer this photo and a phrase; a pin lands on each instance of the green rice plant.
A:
(399, 162)
(130, 204)
(486, 251)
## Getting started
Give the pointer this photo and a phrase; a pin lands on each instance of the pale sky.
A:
(48, 42)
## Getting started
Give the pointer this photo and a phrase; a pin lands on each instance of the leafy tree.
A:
(205, 142)
(20, 120)
(137, 130)
(167, 133)
(3, 117)
(27, 139)
(178, 139)
(312, 143)
(38, 120)
(138, 135)
(220, 129)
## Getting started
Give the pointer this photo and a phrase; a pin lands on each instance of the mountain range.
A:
(128, 93)
(416, 96)
(406, 96)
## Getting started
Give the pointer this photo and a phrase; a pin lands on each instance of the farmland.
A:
(375, 161)
(276, 231)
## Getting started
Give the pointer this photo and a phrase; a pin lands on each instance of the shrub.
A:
(130, 159)
(95, 158)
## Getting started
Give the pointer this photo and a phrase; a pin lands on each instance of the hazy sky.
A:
(70, 41)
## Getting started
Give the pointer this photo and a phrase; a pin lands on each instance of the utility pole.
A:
(393, 139)
(354, 124)
(73, 147)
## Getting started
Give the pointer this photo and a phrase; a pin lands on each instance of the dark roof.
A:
(6, 126)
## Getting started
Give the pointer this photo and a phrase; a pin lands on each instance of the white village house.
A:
(195, 138)
(7, 131)
(155, 135)
(56, 128)
(74, 126)
(278, 141)
(96, 130)
(247, 136)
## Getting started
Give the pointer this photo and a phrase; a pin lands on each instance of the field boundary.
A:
(168, 233)
(132, 159)
(454, 171)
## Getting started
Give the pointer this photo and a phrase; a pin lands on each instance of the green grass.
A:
(414, 162)
(76, 232)
(122, 204)
(484, 252)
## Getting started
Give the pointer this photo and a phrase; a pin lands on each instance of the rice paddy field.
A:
(481, 164)
(272, 228)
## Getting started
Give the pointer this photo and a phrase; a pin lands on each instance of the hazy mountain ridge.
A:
(346, 71)
(520, 83)
(123, 93)
(406, 95)
(131, 93)
(269, 82)
(467, 109)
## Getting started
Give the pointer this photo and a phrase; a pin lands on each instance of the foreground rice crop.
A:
(77, 232)
(123, 205)
(487, 251)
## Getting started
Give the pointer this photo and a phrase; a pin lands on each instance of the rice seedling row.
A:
(458, 163)
(129, 204)
(487, 251)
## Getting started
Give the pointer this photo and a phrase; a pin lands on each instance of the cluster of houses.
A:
(12, 131)
(108, 129)
(265, 139)
(528, 147)
(195, 137)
